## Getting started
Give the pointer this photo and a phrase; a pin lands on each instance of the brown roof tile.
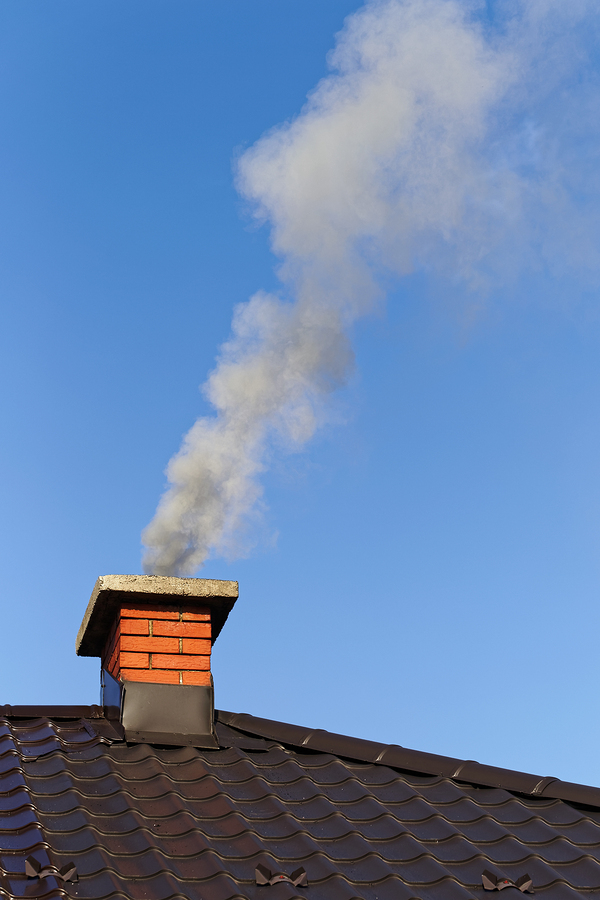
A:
(364, 819)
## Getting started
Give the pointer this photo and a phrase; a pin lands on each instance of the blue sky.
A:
(426, 570)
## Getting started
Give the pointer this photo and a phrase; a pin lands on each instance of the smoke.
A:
(441, 140)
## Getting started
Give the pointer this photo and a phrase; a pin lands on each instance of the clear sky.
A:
(425, 569)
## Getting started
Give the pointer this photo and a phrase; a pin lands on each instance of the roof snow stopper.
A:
(492, 882)
(265, 876)
(34, 869)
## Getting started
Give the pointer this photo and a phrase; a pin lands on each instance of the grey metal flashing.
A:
(112, 590)
(176, 714)
(108, 729)
(171, 739)
(110, 694)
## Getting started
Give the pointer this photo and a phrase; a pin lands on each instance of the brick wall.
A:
(170, 645)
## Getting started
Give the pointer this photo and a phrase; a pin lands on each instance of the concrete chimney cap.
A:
(112, 590)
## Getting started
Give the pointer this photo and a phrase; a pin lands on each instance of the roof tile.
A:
(151, 823)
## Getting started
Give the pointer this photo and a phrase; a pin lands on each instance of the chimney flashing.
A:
(171, 714)
(110, 591)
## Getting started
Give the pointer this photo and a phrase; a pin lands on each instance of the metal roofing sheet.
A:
(155, 823)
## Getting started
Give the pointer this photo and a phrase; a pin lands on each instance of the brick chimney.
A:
(154, 635)
(150, 642)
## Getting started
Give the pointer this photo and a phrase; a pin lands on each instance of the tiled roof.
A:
(365, 820)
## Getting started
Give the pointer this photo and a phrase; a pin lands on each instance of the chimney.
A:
(154, 635)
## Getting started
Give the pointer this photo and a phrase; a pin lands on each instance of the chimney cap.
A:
(112, 590)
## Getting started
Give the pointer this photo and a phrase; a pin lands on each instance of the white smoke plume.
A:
(437, 141)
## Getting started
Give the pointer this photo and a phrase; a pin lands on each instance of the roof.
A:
(363, 819)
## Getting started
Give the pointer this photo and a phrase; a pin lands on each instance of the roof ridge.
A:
(417, 761)
(51, 711)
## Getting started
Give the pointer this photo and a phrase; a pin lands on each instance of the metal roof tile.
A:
(160, 823)
(583, 873)
(453, 849)
(483, 830)
(17, 820)
(9, 763)
(542, 873)
(20, 841)
(466, 810)
(511, 812)
(20, 887)
(365, 809)
(14, 800)
(584, 833)
(383, 828)
(424, 870)
(414, 809)
(534, 831)
(561, 891)
(351, 790)
(552, 811)
(367, 868)
(10, 781)
(439, 792)
(507, 850)
(563, 851)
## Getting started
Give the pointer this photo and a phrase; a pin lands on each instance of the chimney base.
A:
(172, 714)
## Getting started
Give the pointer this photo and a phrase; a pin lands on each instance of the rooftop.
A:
(362, 819)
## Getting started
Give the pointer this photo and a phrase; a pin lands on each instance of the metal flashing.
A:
(172, 739)
(176, 714)
(108, 729)
(110, 694)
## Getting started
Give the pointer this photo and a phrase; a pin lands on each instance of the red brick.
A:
(112, 643)
(195, 614)
(143, 611)
(110, 656)
(113, 663)
(202, 647)
(135, 626)
(196, 678)
(179, 661)
(135, 661)
(111, 633)
(182, 629)
(154, 676)
(144, 643)
(112, 667)
(149, 644)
